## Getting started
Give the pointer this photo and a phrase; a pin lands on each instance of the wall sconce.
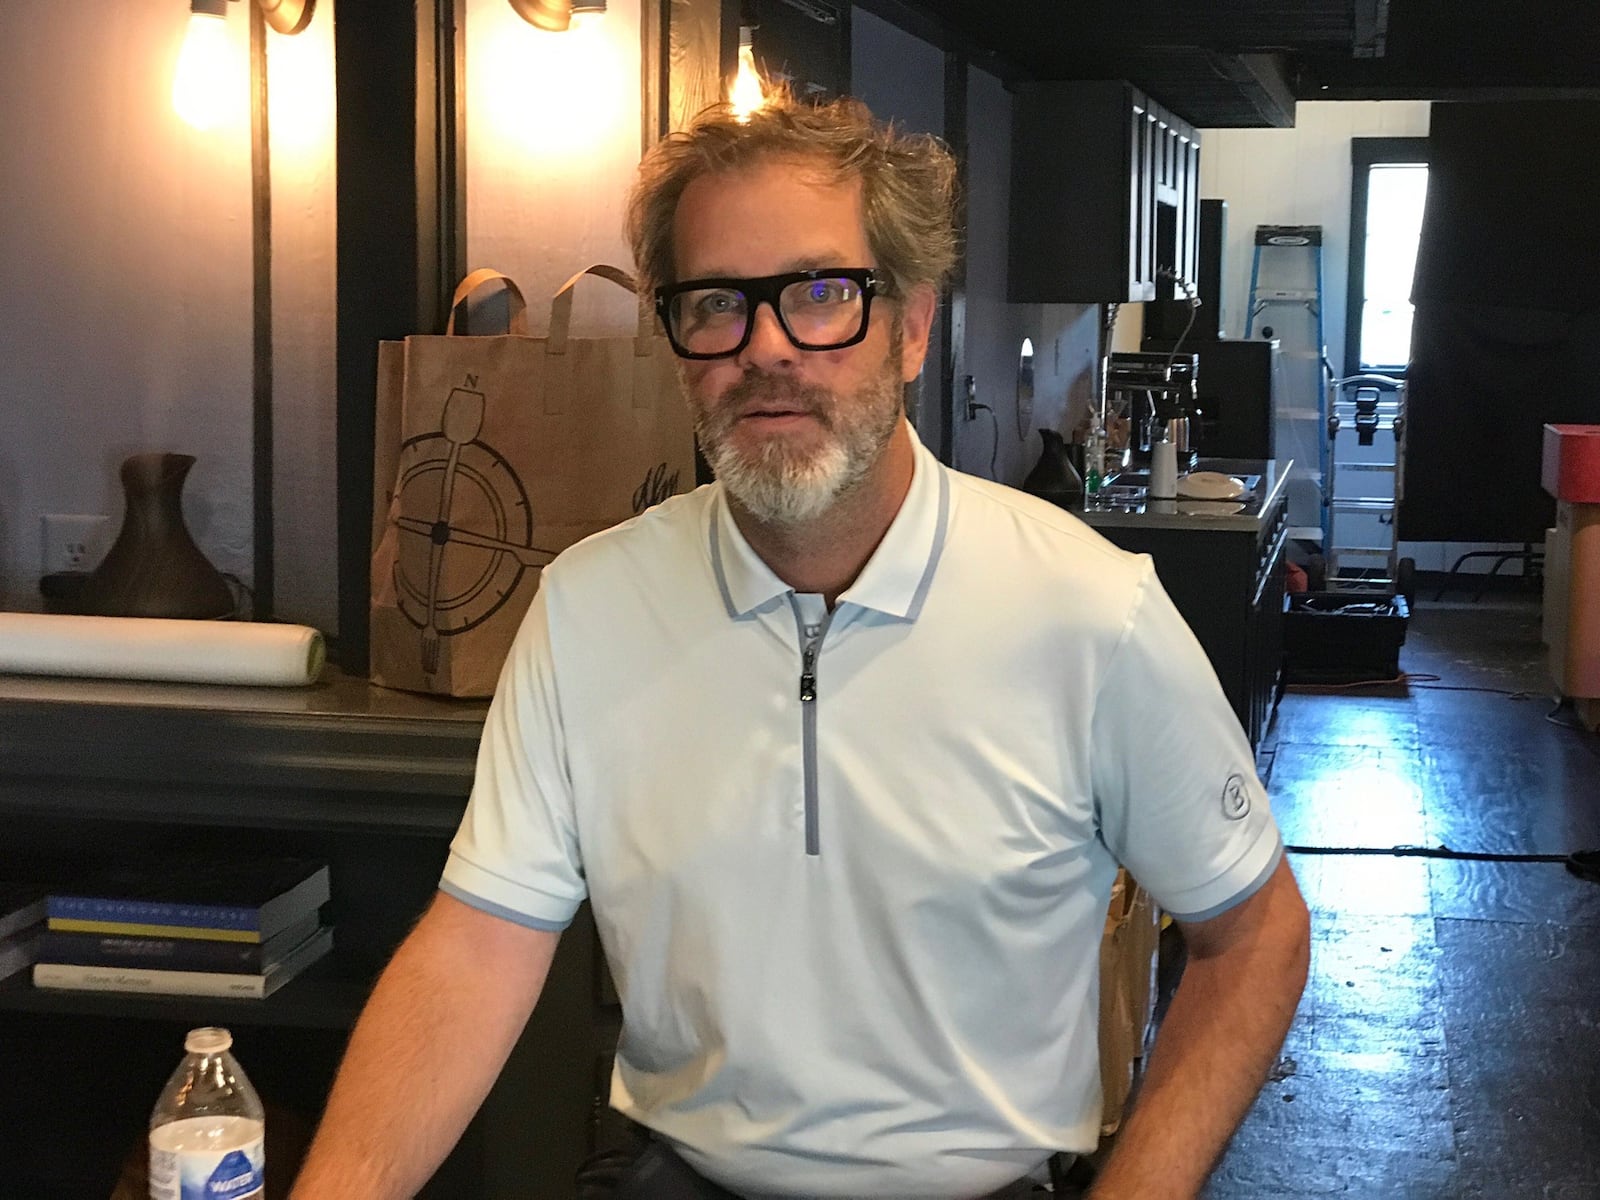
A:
(204, 76)
(557, 15)
(287, 16)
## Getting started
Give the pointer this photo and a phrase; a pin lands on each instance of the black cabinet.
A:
(1228, 585)
(96, 774)
(1105, 195)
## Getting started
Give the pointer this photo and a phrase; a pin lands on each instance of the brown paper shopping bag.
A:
(493, 455)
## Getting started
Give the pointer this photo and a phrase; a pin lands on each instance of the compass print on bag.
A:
(464, 559)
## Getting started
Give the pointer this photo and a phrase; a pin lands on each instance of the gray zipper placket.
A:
(810, 651)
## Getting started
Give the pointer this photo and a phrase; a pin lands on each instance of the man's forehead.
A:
(795, 170)
(723, 214)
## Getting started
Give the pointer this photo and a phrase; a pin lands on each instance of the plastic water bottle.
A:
(1094, 460)
(206, 1129)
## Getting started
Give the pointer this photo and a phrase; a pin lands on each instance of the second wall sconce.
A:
(556, 15)
(286, 16)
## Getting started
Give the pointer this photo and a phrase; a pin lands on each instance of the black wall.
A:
(1507, 330)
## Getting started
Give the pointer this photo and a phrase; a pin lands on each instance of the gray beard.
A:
(778, 486)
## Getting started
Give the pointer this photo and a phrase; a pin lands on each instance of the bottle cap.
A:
(209, 1040)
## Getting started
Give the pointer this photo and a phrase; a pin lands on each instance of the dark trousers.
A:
(658, 1173)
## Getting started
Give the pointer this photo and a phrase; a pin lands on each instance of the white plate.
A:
(1210, 485)
(1210, 508)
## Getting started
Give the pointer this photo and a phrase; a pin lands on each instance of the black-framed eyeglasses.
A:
(824, 309)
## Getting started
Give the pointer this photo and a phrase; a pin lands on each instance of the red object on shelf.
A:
(1570, 469)
(1570, 472)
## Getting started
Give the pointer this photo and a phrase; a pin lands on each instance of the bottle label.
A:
(235, 1173)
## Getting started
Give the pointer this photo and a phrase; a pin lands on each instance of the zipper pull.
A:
(808, 673)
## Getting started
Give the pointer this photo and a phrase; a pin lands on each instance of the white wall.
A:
(1301, 176)
(1298, 176)
(552, 142)
(125, 238)
(305, 323)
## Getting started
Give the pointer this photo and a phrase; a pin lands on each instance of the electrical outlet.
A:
(73, 542)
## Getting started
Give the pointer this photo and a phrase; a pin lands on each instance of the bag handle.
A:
(517, 321)
(561, 311)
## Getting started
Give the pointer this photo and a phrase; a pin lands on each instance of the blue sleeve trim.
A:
(1239, 897)
(500, 910)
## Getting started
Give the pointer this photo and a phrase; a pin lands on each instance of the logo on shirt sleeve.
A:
(1235, 798)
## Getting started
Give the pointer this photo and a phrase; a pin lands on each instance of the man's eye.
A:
(829, 291)
(719, 304)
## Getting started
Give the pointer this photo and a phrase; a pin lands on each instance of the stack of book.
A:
(21, 925)
(191, 927)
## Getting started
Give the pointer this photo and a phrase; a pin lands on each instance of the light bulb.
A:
(203, 86)
(746, 95)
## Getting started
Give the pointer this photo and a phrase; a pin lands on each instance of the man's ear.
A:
(916, 326)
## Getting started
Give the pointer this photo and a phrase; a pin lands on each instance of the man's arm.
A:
(431, 1041)
(1242, 980)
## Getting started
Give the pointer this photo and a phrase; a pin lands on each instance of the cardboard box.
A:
(1127, 992)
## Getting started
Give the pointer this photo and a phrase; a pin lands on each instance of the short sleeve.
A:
(516, 853)
(1174, 778)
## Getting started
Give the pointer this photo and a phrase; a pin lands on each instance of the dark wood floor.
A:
(1448, 1044)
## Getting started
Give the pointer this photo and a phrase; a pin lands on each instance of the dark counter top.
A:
(335, 695)
(339, 753)
(1125, 507)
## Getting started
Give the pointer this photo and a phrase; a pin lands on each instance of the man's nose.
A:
(769, 346)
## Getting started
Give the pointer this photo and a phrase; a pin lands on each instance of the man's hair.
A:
(908, 181)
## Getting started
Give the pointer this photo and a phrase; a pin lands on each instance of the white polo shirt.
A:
(853, 898)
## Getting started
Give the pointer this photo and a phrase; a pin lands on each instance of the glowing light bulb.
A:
(204, 84)
(746, 95)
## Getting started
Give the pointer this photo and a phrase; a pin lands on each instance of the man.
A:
(845, 750)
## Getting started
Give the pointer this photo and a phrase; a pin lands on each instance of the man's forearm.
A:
(433, 1037)
(1216, 1044)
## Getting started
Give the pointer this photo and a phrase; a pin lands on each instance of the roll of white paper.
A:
(1163, 471)
(232, 652)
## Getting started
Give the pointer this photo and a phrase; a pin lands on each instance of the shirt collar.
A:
(896, 578)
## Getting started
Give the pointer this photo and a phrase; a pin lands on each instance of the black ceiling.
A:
(1245, 62)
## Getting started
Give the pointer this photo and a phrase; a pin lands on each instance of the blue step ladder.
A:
(1286, 285)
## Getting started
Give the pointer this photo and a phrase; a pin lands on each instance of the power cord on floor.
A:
(1409, 679)
(1585, 864)
(1428, 852)
(1423, 681)
(1575, 726)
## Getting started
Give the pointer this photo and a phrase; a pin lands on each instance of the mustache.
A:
(763, 387)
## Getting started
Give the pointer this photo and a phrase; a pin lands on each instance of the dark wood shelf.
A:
(321, 998)
(96, 772)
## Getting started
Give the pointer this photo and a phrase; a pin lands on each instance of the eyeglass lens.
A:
(817, 314)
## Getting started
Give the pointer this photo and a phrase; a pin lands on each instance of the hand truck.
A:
(1369, 406)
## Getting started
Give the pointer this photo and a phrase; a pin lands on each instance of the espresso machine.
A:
(1151, 397)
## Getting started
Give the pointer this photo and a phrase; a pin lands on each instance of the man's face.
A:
(788, 430)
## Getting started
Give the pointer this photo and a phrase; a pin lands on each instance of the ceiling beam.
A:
(1372, 29)
(1267, 88)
